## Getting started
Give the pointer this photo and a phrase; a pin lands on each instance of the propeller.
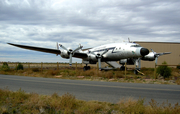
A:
(99, 56)
(70, 52)
(156, 55)
(57, 47)
(129, 40)
(138, 63)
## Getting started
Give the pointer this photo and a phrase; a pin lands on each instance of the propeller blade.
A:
(99, 62)
(129, 40)
(156, 55)
(71, 52)
(153, 52)
(63, 47)
(80, 47)
(159, 54)
(156, 60)
(99, 56)
(70, 59)
(57, 47)
(139, 64)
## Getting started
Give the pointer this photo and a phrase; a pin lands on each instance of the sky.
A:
(90, 23)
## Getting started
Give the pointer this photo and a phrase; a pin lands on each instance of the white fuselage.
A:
(116, 51)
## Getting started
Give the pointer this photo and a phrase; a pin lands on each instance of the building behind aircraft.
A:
(171, 59)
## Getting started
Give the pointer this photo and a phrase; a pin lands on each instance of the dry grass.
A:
(178, 81)
(132, 106)
(20, 102)
(94, 74)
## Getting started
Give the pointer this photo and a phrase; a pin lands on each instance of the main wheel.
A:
(86, 68)
(135, 72)
(122, 68)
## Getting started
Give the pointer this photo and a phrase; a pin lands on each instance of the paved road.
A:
(93, 90)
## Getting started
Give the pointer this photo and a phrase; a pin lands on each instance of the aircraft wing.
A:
(46, 50)
(86, 49)
(80, 55)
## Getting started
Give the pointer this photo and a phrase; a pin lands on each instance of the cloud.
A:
(91, 23)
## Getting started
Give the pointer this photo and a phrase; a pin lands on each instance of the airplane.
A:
(126, 52)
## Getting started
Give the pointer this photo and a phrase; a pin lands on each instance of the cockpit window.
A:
(135, 46)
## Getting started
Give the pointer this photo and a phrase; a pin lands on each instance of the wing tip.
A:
(10, 43)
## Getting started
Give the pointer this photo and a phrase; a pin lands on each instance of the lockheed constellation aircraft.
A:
(129, 53)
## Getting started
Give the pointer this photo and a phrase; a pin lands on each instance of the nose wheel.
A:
(136, 71)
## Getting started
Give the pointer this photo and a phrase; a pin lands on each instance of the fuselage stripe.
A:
(111, 48)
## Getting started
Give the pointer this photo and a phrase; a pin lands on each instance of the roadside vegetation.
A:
(21, 102)
(164, 75)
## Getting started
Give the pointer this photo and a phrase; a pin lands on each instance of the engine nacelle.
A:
(128, 61)
(89, 62)
(149, 57)
(64, 54)
(92, 62)
(92, 57)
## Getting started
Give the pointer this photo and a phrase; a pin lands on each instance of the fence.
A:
(42, 65)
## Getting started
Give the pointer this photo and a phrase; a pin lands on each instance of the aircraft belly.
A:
(113, 56)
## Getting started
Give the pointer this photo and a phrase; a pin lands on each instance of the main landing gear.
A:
(86, 68)
(136, 71)
(122, 67)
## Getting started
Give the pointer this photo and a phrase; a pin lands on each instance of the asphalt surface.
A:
(92, 90)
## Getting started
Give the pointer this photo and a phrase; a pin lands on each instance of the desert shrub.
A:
(109, 74)
(5, 63)
(64, 72)
(178, 66)
(90, 72)
(53, 72)
(164, 71)
(35, 69)
(5, 67)
(72, 73)
(19, 67)
(118, 75)
(90, 107)
(21, 103)
(178, 81)
(131, 106)
(78, 73)
(68, 102)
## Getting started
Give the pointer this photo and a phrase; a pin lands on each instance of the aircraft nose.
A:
(144, 51)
